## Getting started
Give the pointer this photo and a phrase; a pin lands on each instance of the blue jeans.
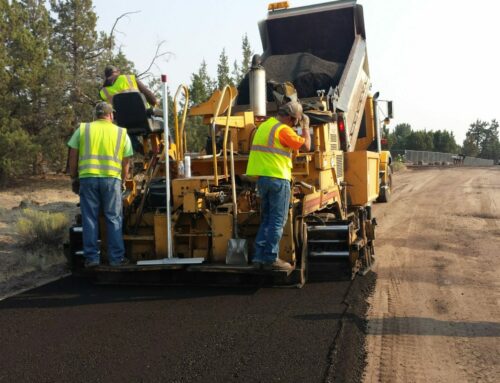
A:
(102, 194)
(274, 205)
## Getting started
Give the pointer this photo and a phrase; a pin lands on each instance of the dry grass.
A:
(38, 228)
(397, 166)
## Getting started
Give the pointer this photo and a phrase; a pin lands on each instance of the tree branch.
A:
(157, 55)
(118, 19)
(110, 38)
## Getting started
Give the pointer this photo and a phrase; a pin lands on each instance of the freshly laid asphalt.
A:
(74, 331)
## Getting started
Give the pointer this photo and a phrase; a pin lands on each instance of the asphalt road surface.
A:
(433, 316)
(74, 331)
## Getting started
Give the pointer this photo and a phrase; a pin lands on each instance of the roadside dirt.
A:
(435, 312)
(23, 268)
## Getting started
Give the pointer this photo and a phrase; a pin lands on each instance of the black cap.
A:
(109, 70)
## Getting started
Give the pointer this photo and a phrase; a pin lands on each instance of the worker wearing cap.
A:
(98, 161)
(271, 160)
(115, 82)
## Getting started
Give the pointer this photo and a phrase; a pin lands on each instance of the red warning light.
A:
(163, 78)
(383, 141)
(341, 125)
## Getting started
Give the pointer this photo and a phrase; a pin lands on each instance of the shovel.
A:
(237, 248)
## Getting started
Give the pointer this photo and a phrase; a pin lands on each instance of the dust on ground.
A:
(435, 312)
(23, 268)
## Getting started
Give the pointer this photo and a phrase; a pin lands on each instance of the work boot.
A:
(257, 265)
(123, 262)
(278, 264)
(90, 264)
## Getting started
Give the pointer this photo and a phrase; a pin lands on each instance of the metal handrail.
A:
(214, 146)
(226, 130)
(180, 138)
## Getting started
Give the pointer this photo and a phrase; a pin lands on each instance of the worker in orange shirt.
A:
(271, 160)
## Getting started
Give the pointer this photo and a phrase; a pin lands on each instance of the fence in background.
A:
(418, 157)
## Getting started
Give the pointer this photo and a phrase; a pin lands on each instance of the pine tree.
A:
(236, 73)
(482, 140)
(79, 46)
(201, 85)
(26, 34)
(6, 62)
(223, 77)
(491, 145)
(51, 77)
(247, 56)
(28, 48)
(200, 90)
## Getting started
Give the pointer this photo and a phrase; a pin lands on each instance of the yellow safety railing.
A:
(180, 133)
(227, 88)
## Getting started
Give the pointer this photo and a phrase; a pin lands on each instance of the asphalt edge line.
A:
(333, 349)
(40, 284)
(365, 290)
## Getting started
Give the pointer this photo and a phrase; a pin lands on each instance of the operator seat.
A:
(132, 113)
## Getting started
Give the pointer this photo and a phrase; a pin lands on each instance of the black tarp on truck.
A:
(318, 47)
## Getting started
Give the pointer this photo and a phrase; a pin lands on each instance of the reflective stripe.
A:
(118, 142)
(109, 97)
(268, 157)
(87, 156)
(86, 151)
(272, 133)
(100, 167)
(130, 82)
(266, 149)
(100, 157)
(122, 84)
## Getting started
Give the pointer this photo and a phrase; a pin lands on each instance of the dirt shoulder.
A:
(23, 268)
(435, 312)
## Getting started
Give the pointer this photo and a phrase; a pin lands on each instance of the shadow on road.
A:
(414, 326)
(72, 291)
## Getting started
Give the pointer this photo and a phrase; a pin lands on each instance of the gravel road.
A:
(435, 312)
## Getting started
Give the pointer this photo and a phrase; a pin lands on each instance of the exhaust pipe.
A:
(257, 80)
(377, 122)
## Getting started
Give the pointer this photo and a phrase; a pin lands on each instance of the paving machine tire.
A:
(386, 189)
(302, 268)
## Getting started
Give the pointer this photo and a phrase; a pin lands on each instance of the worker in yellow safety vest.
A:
(98, 161)
(271, 160)
(115, 82)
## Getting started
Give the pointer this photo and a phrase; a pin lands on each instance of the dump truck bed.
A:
(318, 47)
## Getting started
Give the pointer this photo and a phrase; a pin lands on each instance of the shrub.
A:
(37, 228)
(16, 154)
(53, 149)
(397, 166)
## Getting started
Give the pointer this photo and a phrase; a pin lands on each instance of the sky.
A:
(438, 60)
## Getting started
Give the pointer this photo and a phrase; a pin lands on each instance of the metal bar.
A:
(328, 228)
(167, 163)
(332, 254)
(326, 241)
(207, 234)
(165, 261)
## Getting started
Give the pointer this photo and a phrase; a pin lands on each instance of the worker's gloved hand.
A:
(75, 185)
(124, 187)
(304, 123)
(157, 112)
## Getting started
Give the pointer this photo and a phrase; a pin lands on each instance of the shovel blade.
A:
(237, 252)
